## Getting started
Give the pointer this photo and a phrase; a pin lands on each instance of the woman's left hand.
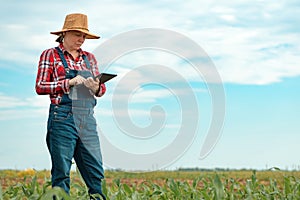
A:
(92, 84)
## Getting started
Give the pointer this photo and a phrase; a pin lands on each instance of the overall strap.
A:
(62, 57)
(87, 62)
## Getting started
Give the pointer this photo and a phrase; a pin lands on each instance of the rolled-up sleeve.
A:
(102, 90)
(46, 81)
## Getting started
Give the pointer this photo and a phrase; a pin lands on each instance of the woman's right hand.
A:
(77, 80)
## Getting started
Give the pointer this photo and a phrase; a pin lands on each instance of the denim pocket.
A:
(91, 124)
(61, 113)
(58, 116)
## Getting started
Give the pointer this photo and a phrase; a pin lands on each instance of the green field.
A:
(181, 185)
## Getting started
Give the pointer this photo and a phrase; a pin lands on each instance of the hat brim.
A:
(88, 34)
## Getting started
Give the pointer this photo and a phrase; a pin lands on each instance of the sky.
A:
(158, 111)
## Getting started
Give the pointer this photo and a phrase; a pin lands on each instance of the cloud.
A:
(142, 95)
(19, 114)
(9, 102)
(240, 37)
(13, 108)
(38, 101)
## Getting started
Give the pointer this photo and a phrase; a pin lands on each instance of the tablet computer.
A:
(104, 77)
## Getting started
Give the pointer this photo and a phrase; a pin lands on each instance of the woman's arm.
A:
(50, 80)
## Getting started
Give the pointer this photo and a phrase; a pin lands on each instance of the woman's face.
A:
(73, 40)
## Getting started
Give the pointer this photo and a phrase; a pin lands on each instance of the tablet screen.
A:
(104, 77)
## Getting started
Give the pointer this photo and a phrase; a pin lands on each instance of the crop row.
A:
(131, 186)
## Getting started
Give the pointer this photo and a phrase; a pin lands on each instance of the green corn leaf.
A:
(1, 193)
(127, 189)
(219, 188)
(104, 188)
(287, 185)
(57, 192)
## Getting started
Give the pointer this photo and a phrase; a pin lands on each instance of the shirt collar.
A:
(61, 46)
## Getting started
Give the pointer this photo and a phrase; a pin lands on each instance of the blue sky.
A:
(253, 45)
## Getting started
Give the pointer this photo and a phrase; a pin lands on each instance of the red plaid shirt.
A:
(51, 73)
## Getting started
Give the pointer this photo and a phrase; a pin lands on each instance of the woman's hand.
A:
(92, 84)
(77, 80)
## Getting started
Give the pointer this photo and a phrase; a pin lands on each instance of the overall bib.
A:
(72, 132)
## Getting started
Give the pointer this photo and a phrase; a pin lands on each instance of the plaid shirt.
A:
(51, 73)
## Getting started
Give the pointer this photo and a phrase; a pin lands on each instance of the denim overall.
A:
(72, 132)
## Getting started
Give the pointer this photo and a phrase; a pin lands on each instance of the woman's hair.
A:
(60, 38)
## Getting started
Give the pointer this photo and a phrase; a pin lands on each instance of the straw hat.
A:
(76, 22)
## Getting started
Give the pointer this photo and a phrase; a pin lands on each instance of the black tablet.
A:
(104, 77)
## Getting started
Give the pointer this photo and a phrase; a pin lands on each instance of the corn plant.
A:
(205, 186)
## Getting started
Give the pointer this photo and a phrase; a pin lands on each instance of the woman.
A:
(66, 74)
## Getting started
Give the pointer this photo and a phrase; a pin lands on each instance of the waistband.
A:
(72, 109)
(86, 103)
